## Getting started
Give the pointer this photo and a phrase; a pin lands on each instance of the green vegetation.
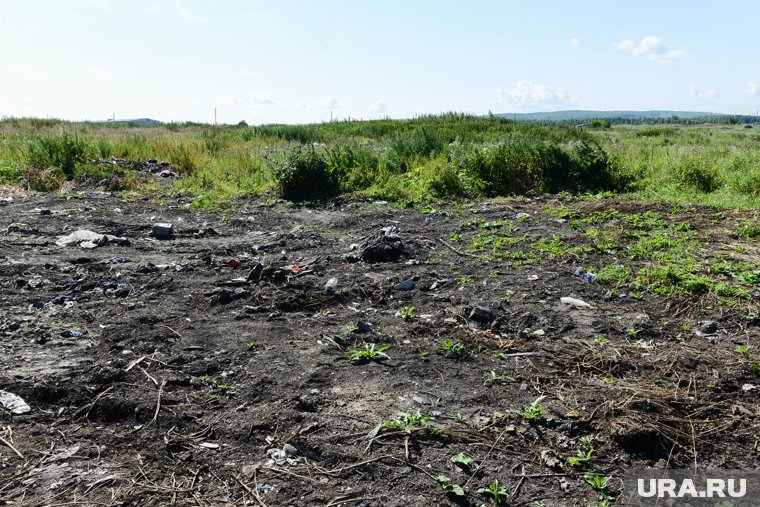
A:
(584, 453)
(534, 411)
(408, 313)
(367, 353)
(495, 493)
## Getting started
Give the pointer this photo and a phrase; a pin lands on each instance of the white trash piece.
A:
(14, 403)
(575, 302)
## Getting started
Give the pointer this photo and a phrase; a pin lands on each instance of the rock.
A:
(708, 326)
(233, 263)
(14, 403)
(550, 459)
(363, 327)
(290, 450)
(221, 297)
(331, 287)
(255, 272)
(577, 303)
(482, 314)
(163, 230)
(405, 285)
(387, 248)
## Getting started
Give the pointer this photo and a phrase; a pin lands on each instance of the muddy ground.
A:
(154, 377)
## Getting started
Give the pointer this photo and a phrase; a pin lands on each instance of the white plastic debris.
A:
(14, 403)
(749, 387)
(88, 239)
(575, 302)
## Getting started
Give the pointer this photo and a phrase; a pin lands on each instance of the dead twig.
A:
(8, 444)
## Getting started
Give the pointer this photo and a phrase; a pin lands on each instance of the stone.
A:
(163, 230)
(405, 285)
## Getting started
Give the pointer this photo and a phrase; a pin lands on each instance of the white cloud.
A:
(102, 74)
(329, 102)
(652, 47)
(183, 12)
(101, 4)
(226, 100)
(264, 99)
(752, 89)
(26, 71)
(531, 96)
(575, 42)
(694, 93)
(248, 73)
(377, 107)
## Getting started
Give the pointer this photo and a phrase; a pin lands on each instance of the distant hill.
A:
(582, 115)
(142, 122)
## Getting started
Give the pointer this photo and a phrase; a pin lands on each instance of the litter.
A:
(14, 403)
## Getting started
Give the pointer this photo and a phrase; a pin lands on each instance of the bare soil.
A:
(187, 386)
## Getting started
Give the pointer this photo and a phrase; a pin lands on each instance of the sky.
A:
(299, 61)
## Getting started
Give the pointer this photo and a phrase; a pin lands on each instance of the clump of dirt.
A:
(224, 366)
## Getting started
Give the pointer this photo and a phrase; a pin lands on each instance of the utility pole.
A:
(215, 117)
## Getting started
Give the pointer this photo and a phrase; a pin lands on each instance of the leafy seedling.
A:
(408, 422)
(448, 487)
(496, 493)
(584, 453)
(744, 351)
(455, 348)
(598, 482)
(534, 411)
(408, 313)
(601, 340)
(493, 378)
(368, 353)
(250, 345)
(462, 461)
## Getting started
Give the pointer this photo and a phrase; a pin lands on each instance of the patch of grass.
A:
(454, 348)
(496, 493)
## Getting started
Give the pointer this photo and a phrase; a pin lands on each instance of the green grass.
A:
(422, 160)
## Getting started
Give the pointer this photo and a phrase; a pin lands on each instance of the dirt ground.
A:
(176, 371)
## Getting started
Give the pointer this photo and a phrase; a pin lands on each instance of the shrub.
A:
(62, 152)
(355, 167)
(304, 174)
(697, 172)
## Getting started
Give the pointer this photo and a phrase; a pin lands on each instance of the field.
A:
(375, 313)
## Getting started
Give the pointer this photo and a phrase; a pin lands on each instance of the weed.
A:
(448, 487)
(250, 345)
(453, 347)
(493, 378)
(495, 492)
(368, 353)
(462, 461)
(584, 453)
(465, 280)
(601, 340)
(598, 482)
(744, 351)
(408, 422)
(534, 411)
(408, 313)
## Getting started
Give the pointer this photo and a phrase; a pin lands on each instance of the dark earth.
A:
(180, 371)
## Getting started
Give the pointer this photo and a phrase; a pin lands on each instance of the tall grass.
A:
(433, 157)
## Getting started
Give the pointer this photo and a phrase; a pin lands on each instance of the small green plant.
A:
(495, 492)
(462, 461)
(744, 351)
(250, 345)
(534, 411)
(601, 340)
(432, 262)
(226, 389)
(205, 379)
(453, 347)
(368, 352)
(493, 378)
(633, 332)
(457, 238)
(425, 355)
(448, 487)
(408, 422)
(465, 280)
(584, 453)
(598, 482)
(755, 367)
(408, 313)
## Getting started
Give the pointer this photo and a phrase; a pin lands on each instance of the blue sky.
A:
(299, 61)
